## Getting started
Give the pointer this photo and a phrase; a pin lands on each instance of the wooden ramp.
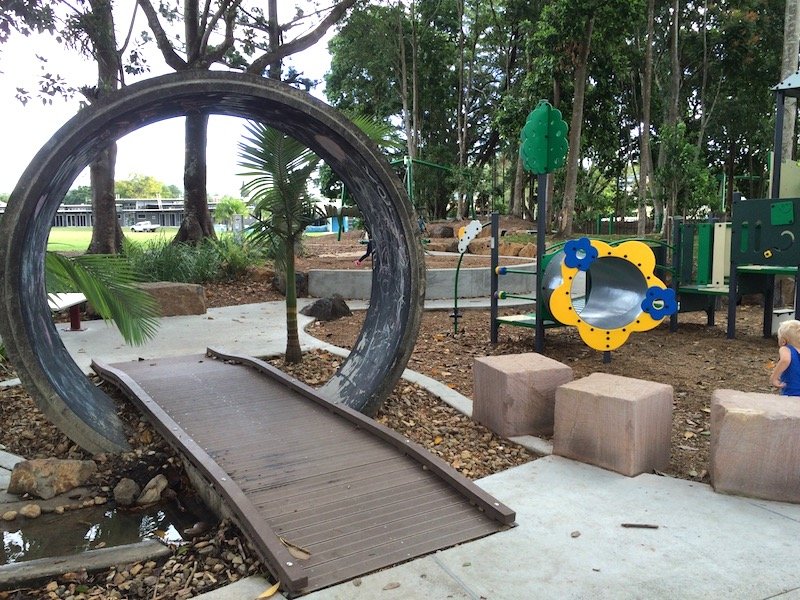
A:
(289, 464)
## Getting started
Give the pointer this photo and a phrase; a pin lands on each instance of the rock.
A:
(441, 231)
(480, 246)
(177, 298)
(152, 491)
(442, 245)
(301, 281)
(126, 492)
(48, 477)
(262, 274)
(528, 251)
(9, 515)
(31, 511)
(512, 249)
(327, 309)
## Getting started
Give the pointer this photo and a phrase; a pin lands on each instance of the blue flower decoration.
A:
(660, 302)
(579, 253)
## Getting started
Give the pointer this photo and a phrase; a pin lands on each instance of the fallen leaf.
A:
(270, 592)
(393, 585)
(437, 440)
(295, 550)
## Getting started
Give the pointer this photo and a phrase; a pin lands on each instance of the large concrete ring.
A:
(58, 386)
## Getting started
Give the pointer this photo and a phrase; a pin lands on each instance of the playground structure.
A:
(737, 258)
(606, 291)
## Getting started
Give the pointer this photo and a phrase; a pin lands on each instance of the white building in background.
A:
(166, 213)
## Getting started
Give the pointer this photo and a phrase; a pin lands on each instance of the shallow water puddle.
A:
(89, 529)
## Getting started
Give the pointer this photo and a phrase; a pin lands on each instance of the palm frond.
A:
(108, 282)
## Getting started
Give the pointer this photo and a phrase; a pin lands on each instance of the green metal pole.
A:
(455, 296)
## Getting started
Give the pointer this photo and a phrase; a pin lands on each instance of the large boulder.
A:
(300, 279)
(177, 298)
(327, 309)
(47, 477)
(441, 231)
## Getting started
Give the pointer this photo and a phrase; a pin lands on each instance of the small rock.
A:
(136, 569)
(125, 492)
(98, 500)
(150, 580)
(9, 515)
(51, 587)
(152, 491)
(31, 511)
(59, 510)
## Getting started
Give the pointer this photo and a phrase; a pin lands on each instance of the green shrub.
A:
(211, 260)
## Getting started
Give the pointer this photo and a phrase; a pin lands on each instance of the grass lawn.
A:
(76, 239)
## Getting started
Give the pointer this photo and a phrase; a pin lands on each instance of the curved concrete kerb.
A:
(69, 400)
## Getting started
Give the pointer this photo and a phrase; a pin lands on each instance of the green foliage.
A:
(227, 207)
(109, 284)
(684, 175)
(79, 195)
(145, 186)
(219, 259)
(278, 168)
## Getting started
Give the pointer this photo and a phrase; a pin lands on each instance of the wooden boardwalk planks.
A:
(291, 465)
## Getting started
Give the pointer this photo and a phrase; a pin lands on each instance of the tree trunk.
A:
(275, 66)
(197, 223)
(644, 154)
(573, 158)
(791, 33)
(293, 352)
(407, 116)
(517, 204)
(673, 102)
(106, 231)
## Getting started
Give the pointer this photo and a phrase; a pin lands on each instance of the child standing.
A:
(786, 374)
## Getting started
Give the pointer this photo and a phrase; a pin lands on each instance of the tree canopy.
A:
(458, 78)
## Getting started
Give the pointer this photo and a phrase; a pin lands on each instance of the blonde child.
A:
(786, 374)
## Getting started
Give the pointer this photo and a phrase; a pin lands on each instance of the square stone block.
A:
(618, 423)
(514, 394)
(755, 445)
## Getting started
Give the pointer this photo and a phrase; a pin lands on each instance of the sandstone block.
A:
(514, 394)
(48, 477)
(618, 423)
(442, 245)
(512, 249)
(177, 298)
(755, 445)
(528, 250)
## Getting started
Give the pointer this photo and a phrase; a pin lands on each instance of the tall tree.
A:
(199, 52)
(209, 38)
(791, 36)
(647, 88)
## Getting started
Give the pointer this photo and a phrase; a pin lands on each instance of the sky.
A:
(155, 150)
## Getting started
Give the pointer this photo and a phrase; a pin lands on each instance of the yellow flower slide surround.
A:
(644, 303)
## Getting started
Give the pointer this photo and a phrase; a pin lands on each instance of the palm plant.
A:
(108, 282)
(278, 168)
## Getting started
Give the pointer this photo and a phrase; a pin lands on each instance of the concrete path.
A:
(569, 542)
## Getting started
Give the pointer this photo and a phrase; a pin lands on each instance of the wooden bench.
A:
(71, 302)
